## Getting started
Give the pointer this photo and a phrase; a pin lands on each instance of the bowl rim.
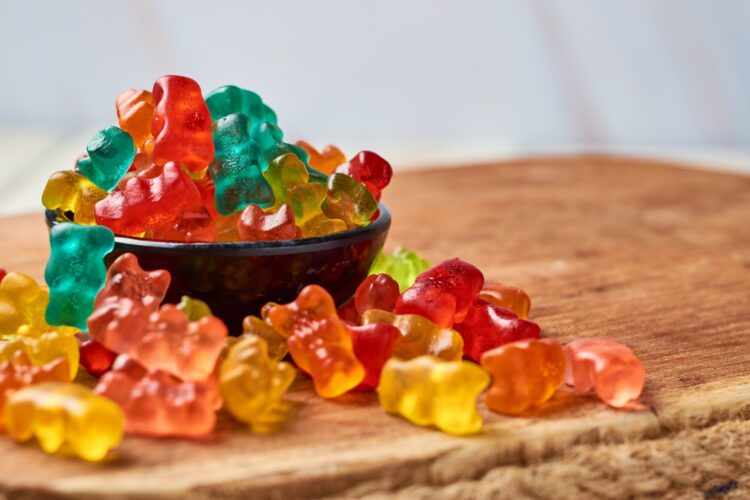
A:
(250, 248)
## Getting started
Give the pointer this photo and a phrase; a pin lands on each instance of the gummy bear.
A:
(75, 271)
(230, 99)
(181, 125)
(110, 154)
(20, 372)
(126, 279)
(419, 335)
(320, 343)
(370, 169)
(94, 357)
(373, 345)
(146, 203)
(402, 265)
(377, 291)
(59, 413)
(236, 168)
(157, 404)
(194, 309)
(348, 200)
(270, 139)
(44, 349)
(429, 391)
(326, 160)
(524, 373)
(253, 384)
(444, 293)
(68, 191)
(288, 179)
(275, 342)
(608, 367)
(508, 297)
(194, 224)
(255, 224)
(487, 326)
(22, 305)
(135, 109)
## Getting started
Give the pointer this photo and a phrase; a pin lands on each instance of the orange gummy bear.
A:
(524, 373)
(319, 341)
(608, 367)
(507, 296)
(325, 160)
(135, 108)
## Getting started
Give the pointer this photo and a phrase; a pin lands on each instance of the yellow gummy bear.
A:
(429, 391)
(70, 191)
(47, 347)
(58, 413)
(419, 336)
(253, 384)
(22, 306)
(277, 348)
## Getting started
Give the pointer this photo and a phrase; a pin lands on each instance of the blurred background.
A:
(422, 82)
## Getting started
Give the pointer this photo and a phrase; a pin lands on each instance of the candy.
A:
(22, 305)
(230, 99)
(370, 169)
(94, 357)
(44, 349)
(270, 138)
(253, 383)
(145, 203)
(275, 342)
(110, 153)
(135, 109)
(402, 265)
(68, 191)
(194, 309)
(195, 224)
(319, 342)
(60, 413)
(508, 297)
(75, 271)
(419, 335)
(377, 291)
(326, 160)
(487, 326)
(444, 293)
(430, 391)
(157, 404)
(348, 200)
(606, 366)
(181, 125)
(525, 373)
(255, 224)
(236, 168)
(126, 279)
(373, 346)
(20, 372)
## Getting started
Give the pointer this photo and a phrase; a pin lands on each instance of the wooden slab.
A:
(650, 254)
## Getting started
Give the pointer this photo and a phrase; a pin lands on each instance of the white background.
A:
(421, 82)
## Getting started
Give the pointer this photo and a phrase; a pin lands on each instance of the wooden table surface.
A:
(650, 254)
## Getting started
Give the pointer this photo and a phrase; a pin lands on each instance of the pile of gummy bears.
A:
(184, 168)
(430, 340)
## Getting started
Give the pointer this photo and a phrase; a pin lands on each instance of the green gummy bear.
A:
(194, 309)
(349, 200)
(230, 99)
(270, 138)
(75, 271)
(110, 154)
(236, 167)
(402, 265)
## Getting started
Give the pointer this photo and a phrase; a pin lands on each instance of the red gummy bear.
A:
(195, 224)
(125, 278)
(146, 203)
(181, 125)
(157, 404)
(3, 272)
(370, 169)
(488, 325)
(377, 291)
(373, 345)
(256, 225)
(444, 293)
(94, 357)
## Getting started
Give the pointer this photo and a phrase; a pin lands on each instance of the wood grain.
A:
(650, 254)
